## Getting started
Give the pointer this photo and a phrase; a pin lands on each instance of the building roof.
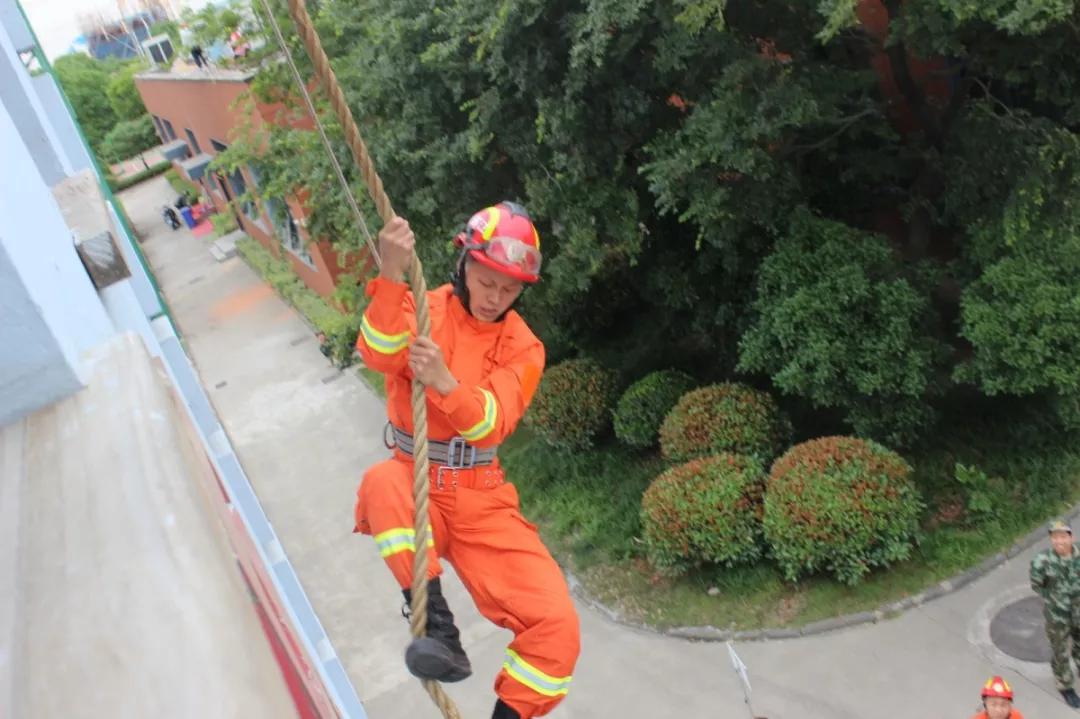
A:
(188, 72)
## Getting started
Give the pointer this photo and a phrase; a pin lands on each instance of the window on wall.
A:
(240, 194)
(195, 149)
(170, 133)
(159, 128)
(288, 231)
(260, 218)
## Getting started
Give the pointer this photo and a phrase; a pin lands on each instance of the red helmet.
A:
(997, 687)
(505, 239)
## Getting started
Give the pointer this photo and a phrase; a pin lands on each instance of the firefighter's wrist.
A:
(445, 384)
(391, 274)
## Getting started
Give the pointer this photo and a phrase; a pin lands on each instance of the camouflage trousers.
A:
(1064, 639)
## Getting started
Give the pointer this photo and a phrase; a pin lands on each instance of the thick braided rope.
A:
(325, 74)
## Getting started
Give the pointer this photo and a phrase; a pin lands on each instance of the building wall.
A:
(52, 313)
(203, 106)
(58, 116)
(22, 103)
(208, 108)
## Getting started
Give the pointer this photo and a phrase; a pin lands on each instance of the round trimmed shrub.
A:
(645, 403)
(726, 417)
(840, 505)
(706, 511)
(573, 404)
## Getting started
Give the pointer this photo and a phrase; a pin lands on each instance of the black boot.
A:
(1069, 695)
(439, 655)
(504, 712)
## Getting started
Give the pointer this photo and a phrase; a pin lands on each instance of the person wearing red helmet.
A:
(481, 367)
(997, 700)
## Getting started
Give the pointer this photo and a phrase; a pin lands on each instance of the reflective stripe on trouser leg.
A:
(540, 682)
(517, 585)
(384, 509)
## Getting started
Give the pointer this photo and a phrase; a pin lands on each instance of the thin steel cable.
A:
(358, 216)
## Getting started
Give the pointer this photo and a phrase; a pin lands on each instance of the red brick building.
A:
(197, 116)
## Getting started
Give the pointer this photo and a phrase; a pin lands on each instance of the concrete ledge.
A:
(831, 625)
(706, 633)
(225, 248)
(83, 206)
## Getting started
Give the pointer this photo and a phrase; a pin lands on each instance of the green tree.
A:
(1022, 312)
(726, 179)
(123, 96)
(839, 325)
(129, 138)
(170, 28)
(83, 80)
(211, 23)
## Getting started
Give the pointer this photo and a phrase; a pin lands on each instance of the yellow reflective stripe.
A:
(381, 342)
(533, 678)
(401, 539)
(492, 223)
(487, 425)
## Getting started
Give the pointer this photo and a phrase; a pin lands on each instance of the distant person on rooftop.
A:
(239, 45)
(198, 57)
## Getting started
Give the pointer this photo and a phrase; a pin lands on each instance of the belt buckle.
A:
(440, 484)
(459, 455)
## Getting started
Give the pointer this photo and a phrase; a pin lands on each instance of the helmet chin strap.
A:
(457, 279)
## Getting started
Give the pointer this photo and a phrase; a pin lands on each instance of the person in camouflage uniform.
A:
(1055, 576)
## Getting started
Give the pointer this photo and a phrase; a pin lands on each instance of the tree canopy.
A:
(107, 104)
(84, 80)
(124, 97)
(867, 205)
(129, 138)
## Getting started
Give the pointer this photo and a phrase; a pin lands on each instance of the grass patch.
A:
(153, 171)
(587, 506)
(224, 223)
(180, 185)
(586, 501)
(375, 380)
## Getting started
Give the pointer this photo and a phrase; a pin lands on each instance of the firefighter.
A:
(1055, 576)
(997, 701)
(480, 368)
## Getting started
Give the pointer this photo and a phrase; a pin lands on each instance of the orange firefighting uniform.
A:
(475, 520)
(1014, 715)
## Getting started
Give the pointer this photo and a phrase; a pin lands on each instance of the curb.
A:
(891, 610)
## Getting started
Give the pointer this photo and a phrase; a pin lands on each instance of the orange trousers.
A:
(478, 528)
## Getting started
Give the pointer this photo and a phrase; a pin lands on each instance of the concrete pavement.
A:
(305, 431)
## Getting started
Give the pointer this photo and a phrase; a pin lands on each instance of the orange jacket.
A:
(1015, 715)
(497, 364)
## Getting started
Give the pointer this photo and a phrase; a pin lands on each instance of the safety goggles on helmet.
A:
(512, 252)
(503, 238)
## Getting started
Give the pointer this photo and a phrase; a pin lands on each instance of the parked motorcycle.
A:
(171, 219)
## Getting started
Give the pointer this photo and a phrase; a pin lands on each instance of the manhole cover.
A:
(1019, 630)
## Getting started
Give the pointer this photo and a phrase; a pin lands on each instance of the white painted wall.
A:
(63, 124)
(22, 102)
(51, 311)
(33, 370)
